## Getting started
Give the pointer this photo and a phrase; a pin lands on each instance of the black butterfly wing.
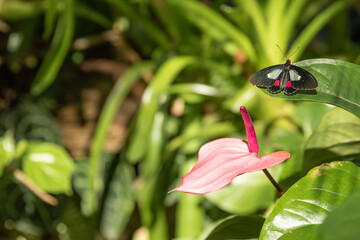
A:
(266, 77)
(302, 79)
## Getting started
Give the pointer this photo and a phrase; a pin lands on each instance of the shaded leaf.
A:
(7, 150)
(92, 15)
(337, 137)
(20, 40)
(116, 97)
(20, 10)
(343, 222)
(189, 216)
(236, 227)
(309, 114)
(132, 11)
(78, 226)
(155, 176)
(310, 200)
(214, 24)
(30, 121)
(316, 24)
(119, 202)
(58, 50)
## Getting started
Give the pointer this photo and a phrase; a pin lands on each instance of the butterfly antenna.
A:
(281, 51)
(290, 55)
(294, 51)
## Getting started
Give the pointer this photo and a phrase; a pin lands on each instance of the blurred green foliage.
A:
(193, 60)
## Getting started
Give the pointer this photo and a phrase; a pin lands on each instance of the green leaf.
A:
(236, 227)
(290, 140)
(49, 166)
(155, 176)
(58, 50)
(195, 88)
(77, 225)
(119, 202)
(86, 12)
(308, 232)
(19, 10)
(311, 199)
(132, 11)
(337, 137)
(343, 222)
(255, 12)
(308, 115)
(292, 13)
(20, 42)
(30, 121)
(50, 18)
(339, 84)
(189, 216)
(316, 25)
(170, 21)
(247, 193)
(7, 150)
(214, 24)
(108, 113)
(205, 131)
(157, 89)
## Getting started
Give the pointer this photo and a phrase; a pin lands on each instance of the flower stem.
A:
(272, 180)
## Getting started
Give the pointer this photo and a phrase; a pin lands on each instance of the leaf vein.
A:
(328, 191)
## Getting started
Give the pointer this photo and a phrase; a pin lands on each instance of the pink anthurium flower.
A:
(221, 160)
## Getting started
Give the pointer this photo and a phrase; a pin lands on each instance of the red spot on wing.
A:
(277, 83)
(288, 84)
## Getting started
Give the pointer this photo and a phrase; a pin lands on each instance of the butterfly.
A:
(285, 77)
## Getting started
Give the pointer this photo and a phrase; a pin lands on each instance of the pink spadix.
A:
(221, 160)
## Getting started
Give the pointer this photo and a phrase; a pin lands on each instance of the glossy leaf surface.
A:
(49, 166)
(339, 84)
(312, 198)
(343, 222)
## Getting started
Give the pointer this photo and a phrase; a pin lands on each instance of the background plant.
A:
(186, 65)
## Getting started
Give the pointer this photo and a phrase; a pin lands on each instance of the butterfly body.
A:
(285, 77)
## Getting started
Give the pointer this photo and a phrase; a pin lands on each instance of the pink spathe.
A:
(220, 161)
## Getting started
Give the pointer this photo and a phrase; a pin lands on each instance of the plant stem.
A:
(272, 180)
(27, 182)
